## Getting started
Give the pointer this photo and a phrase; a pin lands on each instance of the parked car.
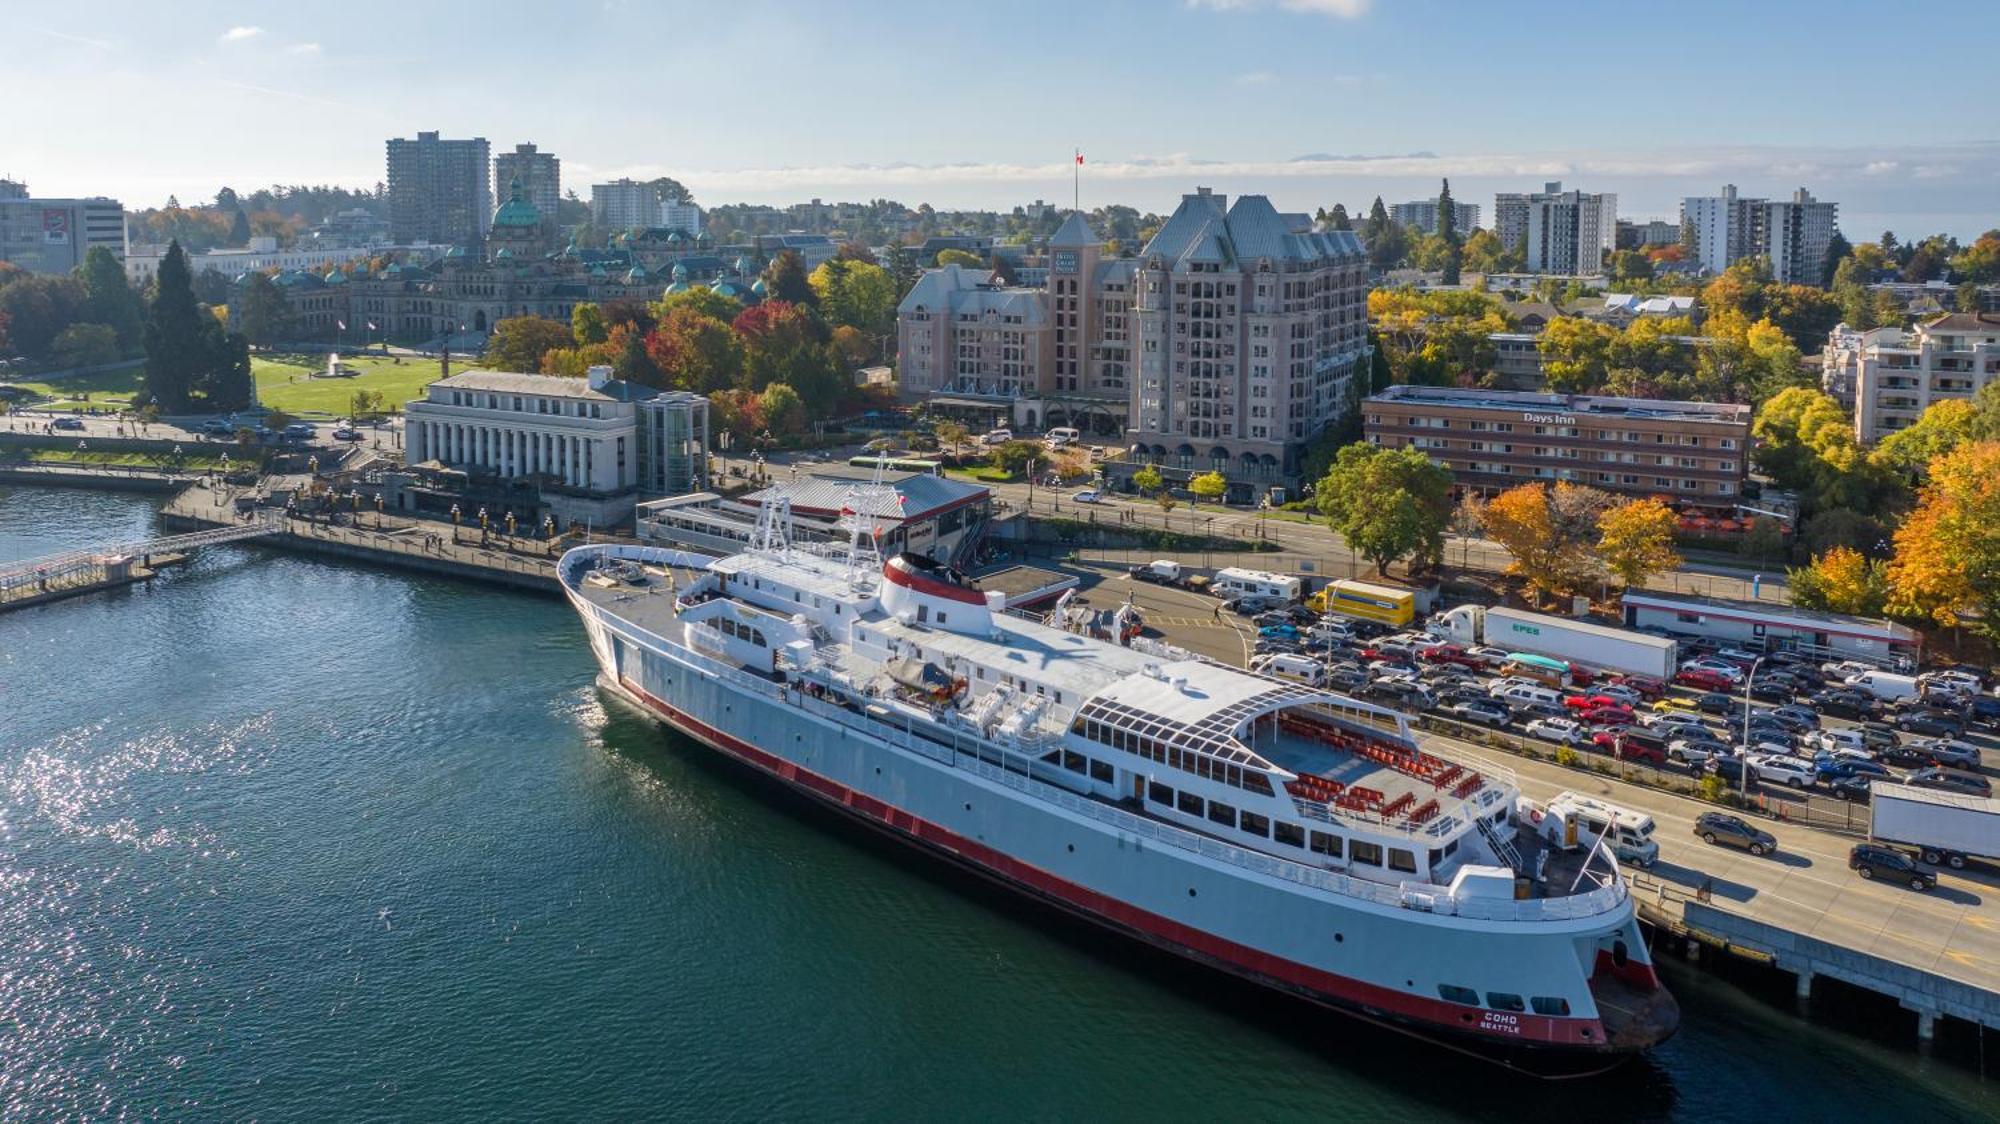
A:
(1693, 754)
(1728, 766)
(996, 437)
(1832, 767)
(1927, 722)
(1562, 731)
(1719, 829)
(1797, 717)
(1613, 714)
(1951, 780)
(346, 433)
(1736, 656)
(1724, 668)
(68, 423)
(219, 427)
(1770, 689)
(1714, 702)
(1946, 751)
(1854, 789)
(1704, 679)
(1874, 860)
(1088, 495)
(1485, 712)
(1786, 770)
(1646, 687)
(1842, 702)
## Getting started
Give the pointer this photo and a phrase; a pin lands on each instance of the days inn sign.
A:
(1549, 419)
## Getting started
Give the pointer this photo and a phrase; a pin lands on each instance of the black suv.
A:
(1718, 829)
(1873, 860)
(1928, 722)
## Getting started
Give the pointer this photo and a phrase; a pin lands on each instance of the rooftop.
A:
(1583, 405)
(1901, 633)
(552, 386)
(827, 491)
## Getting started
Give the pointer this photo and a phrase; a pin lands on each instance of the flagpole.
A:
(1076, 181)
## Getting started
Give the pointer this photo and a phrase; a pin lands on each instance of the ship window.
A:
(1402, 860)
(1452, 993)
(1222, 813)
(1236, 776)
(940, 617)
(1367, 854)
(1159, 793)
(923, 614)
(757, 638)
(1100, 771)
(1256, 824)
(1501, 1001)
(1190, 803)
(1325, 844)
(1256, 782)
(1290, 834)
(1073, 761)
(1549, 1005)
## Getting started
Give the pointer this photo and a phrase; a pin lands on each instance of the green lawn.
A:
(196, 462)
(107, 390)
(284, 382)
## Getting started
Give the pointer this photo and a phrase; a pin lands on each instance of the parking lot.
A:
(1815, 748)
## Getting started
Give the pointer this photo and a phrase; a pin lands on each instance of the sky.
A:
(1886, 109)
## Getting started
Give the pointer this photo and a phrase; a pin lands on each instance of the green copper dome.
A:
(516, 212)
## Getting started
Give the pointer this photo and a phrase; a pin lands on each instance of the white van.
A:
(1526, 695)
(1885, 685)
(1233, 582)
(1571, 822)
(1063, 435)
(1285, 665)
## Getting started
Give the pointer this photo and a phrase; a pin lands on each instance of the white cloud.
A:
(302, 49)
(239, 34)
(1338, 9)
(1256, 78)
(1879, 167)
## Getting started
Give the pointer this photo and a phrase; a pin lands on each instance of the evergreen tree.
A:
(226, 385)
(785, 280)
(239, 229)
(1837, 251)
(1337, 219)
(261, 314)
(1447, 229)
(108, 297)
(177, 351)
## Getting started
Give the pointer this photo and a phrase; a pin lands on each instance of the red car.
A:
(1453, 654)
(1588, 702)
(1647, 688)
(1613, 715)
(1704, 680)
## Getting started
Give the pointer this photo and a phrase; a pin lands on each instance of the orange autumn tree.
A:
(1551, 532)
(1637, 541)
(1841, 580)
(1947, 561)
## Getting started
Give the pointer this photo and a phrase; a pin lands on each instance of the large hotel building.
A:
(1693, 454)
(1229, 343)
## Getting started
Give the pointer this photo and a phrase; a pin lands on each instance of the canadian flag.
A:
(1079, 156)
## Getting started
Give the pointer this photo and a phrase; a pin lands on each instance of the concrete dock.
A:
(424, 546)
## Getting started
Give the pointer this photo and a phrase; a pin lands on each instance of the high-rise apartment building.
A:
(1232, 340)
(1566, 232)
(1889, 376)
(53, 235)
(684, 217)
(1794, 234)
(1422, 214)
(439, 190)
(540, 174)
(624, 205)
(1248, 340)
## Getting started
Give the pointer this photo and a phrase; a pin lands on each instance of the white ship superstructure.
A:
(1283, 833)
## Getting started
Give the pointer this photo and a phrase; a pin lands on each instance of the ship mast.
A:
(773, 533)
(861, 515)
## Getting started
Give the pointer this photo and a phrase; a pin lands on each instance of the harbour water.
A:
(286, 839)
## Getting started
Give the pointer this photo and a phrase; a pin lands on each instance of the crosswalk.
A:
(1185, 622)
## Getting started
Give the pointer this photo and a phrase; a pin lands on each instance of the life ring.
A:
(1535, 815)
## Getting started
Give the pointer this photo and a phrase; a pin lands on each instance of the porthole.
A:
(1072, 848)
(968, 807)
(1339, 937)
(1190, 891)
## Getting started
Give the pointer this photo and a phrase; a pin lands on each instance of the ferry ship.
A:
(1288, 835)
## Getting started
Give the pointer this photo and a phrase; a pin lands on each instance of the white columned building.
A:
(593, 445)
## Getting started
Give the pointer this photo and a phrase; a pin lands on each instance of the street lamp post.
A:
(1750, 680)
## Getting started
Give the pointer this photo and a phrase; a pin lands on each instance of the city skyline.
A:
(1309, 101)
